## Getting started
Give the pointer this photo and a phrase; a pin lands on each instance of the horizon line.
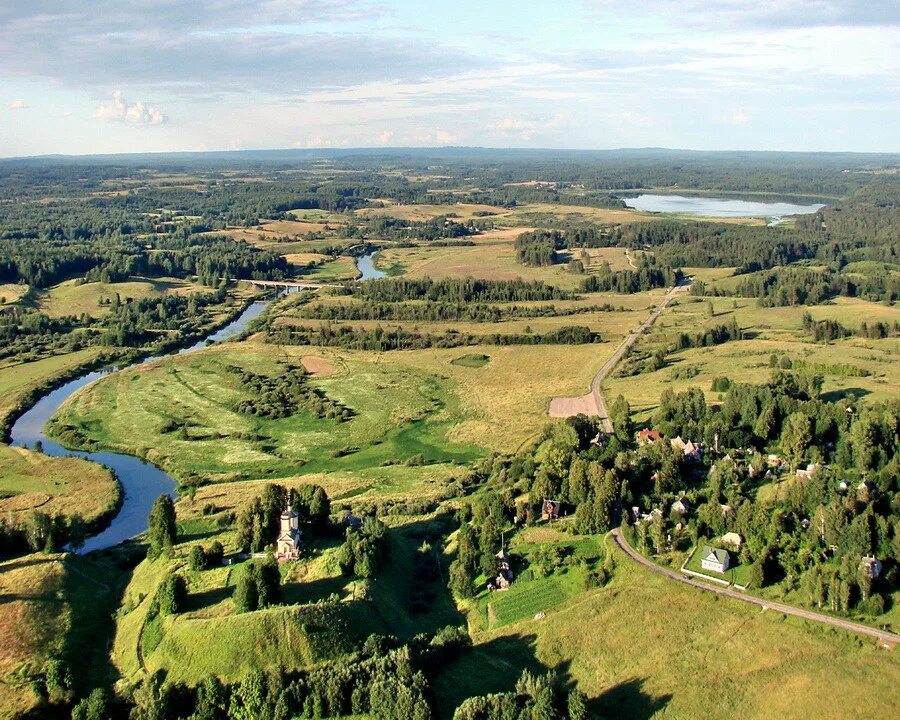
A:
(439, 148)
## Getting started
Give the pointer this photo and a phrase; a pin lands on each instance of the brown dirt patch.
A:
(563, 407)
(499, 235)
(317, 366)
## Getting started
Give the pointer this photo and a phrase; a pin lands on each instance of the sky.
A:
(107, 76)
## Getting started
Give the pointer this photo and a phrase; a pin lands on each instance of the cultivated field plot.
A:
(422, 213)
(74, 298)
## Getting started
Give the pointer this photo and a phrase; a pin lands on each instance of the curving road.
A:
(884, 636)
(624, 347)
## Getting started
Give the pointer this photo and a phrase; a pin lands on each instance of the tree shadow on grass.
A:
(492, 667)
(207, 598)
(302, 593)
(853, 392)
(93, 589)
(627, 701)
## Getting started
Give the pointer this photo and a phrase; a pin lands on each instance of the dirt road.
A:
(623, 348)
(883, 636)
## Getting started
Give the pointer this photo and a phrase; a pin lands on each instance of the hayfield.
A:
(858, 366)
(482, 261)
(17, 379)
(423, 213)
(11, 292)
(32, 481)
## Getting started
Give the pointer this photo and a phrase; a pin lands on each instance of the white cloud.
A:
(118, 109)
(17, 104)
(385, 137)
(739, 117)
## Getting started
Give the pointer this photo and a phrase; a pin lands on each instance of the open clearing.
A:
(423, 213)
(72, 298)
(400, 412)
(11, 292)
(857, 366)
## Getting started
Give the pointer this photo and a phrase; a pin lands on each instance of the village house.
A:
(732, 540)
(715, 559)
(681, 506)
(648, 437)
(287, 547)
(550, 509)
(871, 566)
(808, 471)
(689, 449)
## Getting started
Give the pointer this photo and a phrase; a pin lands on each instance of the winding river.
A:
(141, 481)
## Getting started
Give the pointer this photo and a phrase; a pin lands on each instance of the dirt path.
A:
(884, 636)
(560, 407)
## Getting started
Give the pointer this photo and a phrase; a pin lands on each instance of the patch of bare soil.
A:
(563, 407)
(317, 366)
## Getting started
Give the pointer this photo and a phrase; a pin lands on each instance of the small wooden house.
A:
(550, 509)
(715, 559)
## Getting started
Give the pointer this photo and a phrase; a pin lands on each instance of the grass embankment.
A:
(644, 645)
(325, 614)
(54, 606)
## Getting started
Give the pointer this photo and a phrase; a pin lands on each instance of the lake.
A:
(718, 207)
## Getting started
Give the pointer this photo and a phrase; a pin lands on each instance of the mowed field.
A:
(401, 411)
(32, 481)
(11, 292)
(858, 366)
(71, 298)
(644, 646)
(421, 213)
(485, 262)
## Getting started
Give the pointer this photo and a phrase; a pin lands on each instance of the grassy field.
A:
(644, 646)
(54, 606)
(871, 367)
(11, 292)
(400, 412)
(422, 213)
(487, 262)
(17, 379)
(32, 481)
(70, 298)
